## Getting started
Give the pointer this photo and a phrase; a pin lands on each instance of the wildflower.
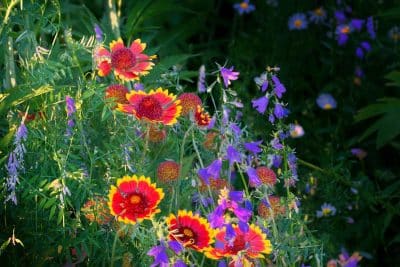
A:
(260, 104)
(210, 142)
(266, 175)
(134, 199)
(298, 21)
(179, 263)
(190, 230)
(342, 32)
(201, 87)
(228, 75)
(296, 130)
(189, 103)
(70, 105)
(160, 255)
(99, 33)
(331, 263)
(394, 34)
(370, 28)
(262, 81)
(317, 15)
(168, 171)
(96, 210)
(242, 248)
(213, 170)
(128, 62)
(155, 106)
(201, 117)
(276, 161)
(359, 153)
(357, 24)
(138, 86)
(326, 101)
(155, 134)
(254, 180)
(233, 155)
(280, 112)
(244, 7)
(214, 184)
(253, 147)
(276, 144)
(340, 16)
(229, 201)
(326, 210)
(349, 261)
(279, 89)
(117, 93)
(271, 207)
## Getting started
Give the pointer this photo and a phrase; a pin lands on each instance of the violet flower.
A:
(201, 87)
(260, 104)
(279, 89)
(228, 75)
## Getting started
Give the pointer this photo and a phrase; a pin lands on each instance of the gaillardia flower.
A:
(202, 117)
(189, 103)
(326, 101)
(168, 171)
(134, 199)
(190, 230)
(155, 106)
(117, 93)
(128, 63)
(242, 248)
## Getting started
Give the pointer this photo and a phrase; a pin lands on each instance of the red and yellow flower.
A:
(244, 246)
(117, 94)
(128, 63)
(189, 102)
(190, 230)
(155, 106)
(202, 117)
(168, 171)
(96, 210)
(134, 199)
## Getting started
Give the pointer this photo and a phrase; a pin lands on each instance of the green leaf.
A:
(393, 76)
(52, 212)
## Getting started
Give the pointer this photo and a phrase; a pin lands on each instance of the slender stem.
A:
(115, 245)
(146, 146)
(246, 189)
(310, 165)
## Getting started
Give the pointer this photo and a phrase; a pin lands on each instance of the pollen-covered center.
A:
(187, 232)
(244, 5)
(150, 108)
(298, 23)
(123, 59)
(136, 204)
(187, 236)
(135, 199)
(345, 30)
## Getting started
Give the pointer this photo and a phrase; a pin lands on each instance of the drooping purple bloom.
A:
(201, 83)
(222, 263)
(359, 52)
(204, 175)
(228, 75)
(279, 87)
(366, 46)
(357, 24)
(298, 21)
(280, 112)
(277, 161)
(233, 155)
(244, 226)
(244, 7)
(276, 144)
(262, 81)
(260, 104)
(326, 101)
(175, 246)
(253, 147)
(70, 105)
(254, 180)
(371, 28)
(359, 153)
(236, 130)
(215, 168)
(160, 256)
(271, 118)
(99, 33)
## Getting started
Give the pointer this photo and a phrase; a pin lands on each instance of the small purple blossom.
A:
(228, 75)
(138, 86)
(359, 52)
(340, 16)
(244, 7)
(253, 147)
(175, 246)
(70, 105)
(359, 153)
(276, 161)
(317, 15)
(342, 32)
(201, 87)
(280, 112)
(357, 24)
(366, 46)
(371, 28)
(326, 101)
(260, 104)
(212, 171)
(298, 21)
(276, 144)
(359, 72)
(233, 155)
(254, 180)
(279, 89)
(99, 33)
(262, 81)
(179, 263)
(160, 256)
(326, 210)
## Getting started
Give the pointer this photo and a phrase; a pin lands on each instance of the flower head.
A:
(326, 210)
(201, 117)
(189, 103)
(155, 106)
(253, 147)
(155, 134)
(117, 93)
(326, 101)
(228, 75)
(190, 230)
(128, 63)
(160, 255)
(241, 246)
(99, 33)
(266, 175)
(359, 153)
(296, 130)
(134, 199)
(280, 111)
(317, 15)
(260, 104)
(96, 210)
(342, 32)
(168, 171)
(244, 7)
(233, 155)
(273, 203)
(298, 21)
(357, 24)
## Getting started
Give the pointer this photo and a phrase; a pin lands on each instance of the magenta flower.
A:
(228, 75)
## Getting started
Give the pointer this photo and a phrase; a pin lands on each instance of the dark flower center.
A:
(123, 59)
(149, 108)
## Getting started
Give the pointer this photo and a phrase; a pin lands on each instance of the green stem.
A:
(246, 189)
(310, 165)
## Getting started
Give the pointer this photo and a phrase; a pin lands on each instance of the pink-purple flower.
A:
(228, 75)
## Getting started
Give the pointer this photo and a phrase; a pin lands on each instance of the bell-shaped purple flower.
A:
(260, 104)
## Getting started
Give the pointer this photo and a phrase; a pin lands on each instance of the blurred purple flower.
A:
(279, 87)
(244, 7)
(138, 86)
(262, 81)
(359, 153)
(357, 24)
(326, 210)
(228, 75)
(253, 146)
(233, 155)
(260, 104)
(254, 180)
(326, 101)
(342, 32)
(175, 246)
(298, 21)
(179, 263)
(160, 256)
(280, 112)
(201, 87)
(370, 28)
(340, 16)
(99, 33)
(276, 144)
(317, 15)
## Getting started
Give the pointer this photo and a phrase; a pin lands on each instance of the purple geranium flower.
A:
(260, 104)
(228, 75)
